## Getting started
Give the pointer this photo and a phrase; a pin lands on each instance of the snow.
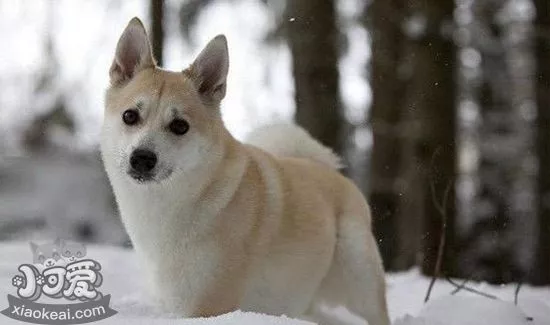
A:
(406, 294)
(460, 310)
(122, 279)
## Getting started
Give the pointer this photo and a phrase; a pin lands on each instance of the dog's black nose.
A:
(143, 161)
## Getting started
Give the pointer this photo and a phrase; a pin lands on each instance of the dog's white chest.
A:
(179, 267)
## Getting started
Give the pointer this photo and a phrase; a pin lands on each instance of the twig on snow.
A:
(460, 287)
(472, 290)
(442, 209)
(516, 293)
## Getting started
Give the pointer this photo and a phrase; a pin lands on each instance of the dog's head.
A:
(159, 124)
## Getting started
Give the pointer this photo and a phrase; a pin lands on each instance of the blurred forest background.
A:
(441, 109)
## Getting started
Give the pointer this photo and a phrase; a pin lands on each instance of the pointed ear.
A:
(209, 70)
(59, 242)
(33, 247)
(133, 53)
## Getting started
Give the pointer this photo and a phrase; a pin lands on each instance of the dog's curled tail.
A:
(290, 140)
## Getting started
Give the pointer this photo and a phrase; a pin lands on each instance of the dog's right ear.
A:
(133, 53)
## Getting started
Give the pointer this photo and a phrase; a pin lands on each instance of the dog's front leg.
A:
(203, 288)
(222, 297)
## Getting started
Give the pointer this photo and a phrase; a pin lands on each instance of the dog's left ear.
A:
(209, 70)
(133, 53)
(59, 242)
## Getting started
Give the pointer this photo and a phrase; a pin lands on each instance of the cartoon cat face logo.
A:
(46, 255)
(58, 253)
(72, 251)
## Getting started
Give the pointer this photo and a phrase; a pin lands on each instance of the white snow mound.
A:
(464, 310)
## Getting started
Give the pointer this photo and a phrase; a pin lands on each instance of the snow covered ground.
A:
(406, 291)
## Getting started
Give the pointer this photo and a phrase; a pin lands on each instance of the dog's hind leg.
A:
(360, 268)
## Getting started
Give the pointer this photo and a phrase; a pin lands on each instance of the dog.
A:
(269, 226)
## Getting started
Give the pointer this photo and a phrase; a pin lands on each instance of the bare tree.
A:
(541, 273)
(387, 192)
(413, 120)
(430, 109)
(156, 9)
(313, 38)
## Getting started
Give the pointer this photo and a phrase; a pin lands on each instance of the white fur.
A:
(290, 140)
(161, 221)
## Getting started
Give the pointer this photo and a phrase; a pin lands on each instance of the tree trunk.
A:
(156, 8)
(313, 39)
(413, 120)
(541, 273)
(385, 186)
(430, 111)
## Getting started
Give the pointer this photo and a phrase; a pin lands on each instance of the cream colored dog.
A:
(221, 225)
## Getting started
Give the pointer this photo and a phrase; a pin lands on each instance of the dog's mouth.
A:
(144, 178)
(141, 177)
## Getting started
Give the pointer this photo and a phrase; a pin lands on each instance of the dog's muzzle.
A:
(142, 164)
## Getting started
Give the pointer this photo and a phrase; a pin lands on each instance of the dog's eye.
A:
(130, 116)
(179, 126)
